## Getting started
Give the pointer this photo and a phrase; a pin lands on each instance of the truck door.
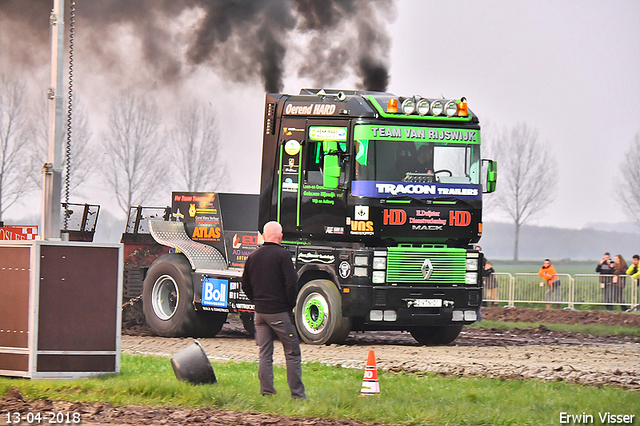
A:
(324, 179)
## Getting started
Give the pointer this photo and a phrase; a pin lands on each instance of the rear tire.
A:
(167, 297)
(436, 335)
(318, 314)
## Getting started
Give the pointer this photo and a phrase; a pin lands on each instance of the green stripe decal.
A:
(299, 187)
(280, 182)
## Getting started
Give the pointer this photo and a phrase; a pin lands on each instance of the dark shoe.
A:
(302, 398)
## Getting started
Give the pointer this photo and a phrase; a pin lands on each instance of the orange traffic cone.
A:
(370, 385)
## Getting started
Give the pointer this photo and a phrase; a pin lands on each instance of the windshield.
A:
(409, 161)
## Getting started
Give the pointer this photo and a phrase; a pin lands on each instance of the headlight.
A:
(471, 278)
(436, 108)
(361, 260)
(389, 315)
(360, 271)
(470, 316)
(408, 106)
(451, 108)
(379, 263)
(423, 106)
(378, 277)
(472, 264)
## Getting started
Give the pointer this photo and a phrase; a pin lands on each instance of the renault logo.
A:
(427, 269)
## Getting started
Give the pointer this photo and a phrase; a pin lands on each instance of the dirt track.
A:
(532, 353)
(520, 353)
(526, 353)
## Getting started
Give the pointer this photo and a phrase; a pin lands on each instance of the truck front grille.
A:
(404, 265)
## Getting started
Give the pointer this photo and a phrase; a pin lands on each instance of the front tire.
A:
(210, 323)
(167, 297)
(436, 335)
(318, 314)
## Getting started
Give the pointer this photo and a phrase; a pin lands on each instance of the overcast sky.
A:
(570, 69)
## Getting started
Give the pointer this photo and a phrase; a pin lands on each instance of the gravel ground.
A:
(528, 353)
(534, 352)
(531, 353)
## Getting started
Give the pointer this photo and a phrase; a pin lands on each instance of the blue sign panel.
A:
(215, 292)
(386, 189)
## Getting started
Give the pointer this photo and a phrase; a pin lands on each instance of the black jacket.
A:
(605, 268)
(489, 279)
(269, 279)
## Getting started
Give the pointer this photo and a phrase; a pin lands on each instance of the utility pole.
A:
(52, 169)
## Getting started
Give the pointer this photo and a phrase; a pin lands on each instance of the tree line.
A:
(527, 180)
(135, 147)
(136, 166)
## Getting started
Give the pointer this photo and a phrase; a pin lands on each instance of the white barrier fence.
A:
(566, 292)
(498, 289)
(607, 290)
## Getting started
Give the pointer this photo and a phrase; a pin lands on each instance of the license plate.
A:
(428, 303)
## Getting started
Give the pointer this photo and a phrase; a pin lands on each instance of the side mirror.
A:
(491, 176)
(331, 167)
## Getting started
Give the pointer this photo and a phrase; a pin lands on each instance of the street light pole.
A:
(52, 169)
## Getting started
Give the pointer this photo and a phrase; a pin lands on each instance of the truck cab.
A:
(381, 197)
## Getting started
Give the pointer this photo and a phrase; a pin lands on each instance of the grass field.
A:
(404, 399)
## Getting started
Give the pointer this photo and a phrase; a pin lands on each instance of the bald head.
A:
(272, 232)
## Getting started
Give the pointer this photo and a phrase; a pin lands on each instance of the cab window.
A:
(315, 163)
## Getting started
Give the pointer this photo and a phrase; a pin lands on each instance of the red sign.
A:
(18, 232)
(394, 217)
(459, 218)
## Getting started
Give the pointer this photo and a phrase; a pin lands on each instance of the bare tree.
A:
(630, 196)
(82, 151)
(134, 170)
(15, 143)
(528, 175)
(196, 146)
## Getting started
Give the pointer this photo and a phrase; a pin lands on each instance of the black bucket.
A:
(192, 365)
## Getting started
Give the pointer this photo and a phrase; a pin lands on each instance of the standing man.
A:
(269, 281)
(548, 272)
(490, 284)
(605, 268)
(634, 271)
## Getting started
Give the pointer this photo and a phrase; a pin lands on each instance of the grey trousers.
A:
(268, 326)
(553, 292)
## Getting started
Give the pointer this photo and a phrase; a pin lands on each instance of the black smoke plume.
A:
(243, 40)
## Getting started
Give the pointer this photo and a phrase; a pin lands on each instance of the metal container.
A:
(60, 309)
(192, 365)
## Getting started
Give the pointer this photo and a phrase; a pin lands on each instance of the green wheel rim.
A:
(314, 313)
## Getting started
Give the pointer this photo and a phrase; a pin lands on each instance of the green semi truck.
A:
(380, 200)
